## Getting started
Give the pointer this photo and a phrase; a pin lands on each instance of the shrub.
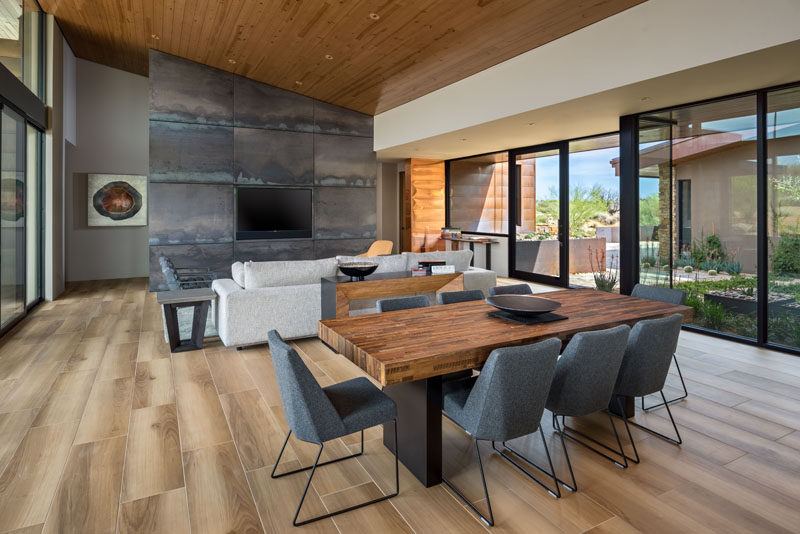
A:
(714, 315)
(743, 325)
(785, 329)
(731, 267)
(646, 265)
(786, 256)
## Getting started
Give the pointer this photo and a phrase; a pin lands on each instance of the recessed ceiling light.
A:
(328, 57)
(298, 82)
(232, 61)
(531, 123)
(374, 16)
(645, 98)
(155, 36)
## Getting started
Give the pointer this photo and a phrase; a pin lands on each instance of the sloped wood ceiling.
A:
(366, 55)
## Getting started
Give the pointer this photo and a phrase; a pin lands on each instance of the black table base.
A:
(176, 344)
(419, 422)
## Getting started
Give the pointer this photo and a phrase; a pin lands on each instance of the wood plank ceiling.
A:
(367, 55)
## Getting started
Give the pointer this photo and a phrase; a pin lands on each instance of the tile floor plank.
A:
(218, 493)
(88, 496)
(153, 461)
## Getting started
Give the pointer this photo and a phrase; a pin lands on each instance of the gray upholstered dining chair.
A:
(583, 384)
(645, 365)
(317, 414)
(504, 402)
(403, 303)
(513, 289)
(452, 297)
(671, 296)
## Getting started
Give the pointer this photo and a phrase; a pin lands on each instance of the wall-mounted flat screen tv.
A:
(273, 213)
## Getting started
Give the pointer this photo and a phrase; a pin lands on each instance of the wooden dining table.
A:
(410, 353)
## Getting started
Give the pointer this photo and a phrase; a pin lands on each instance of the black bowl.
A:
(523, 305)
(358, 270)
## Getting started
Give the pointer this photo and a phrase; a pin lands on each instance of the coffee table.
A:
(338, 291)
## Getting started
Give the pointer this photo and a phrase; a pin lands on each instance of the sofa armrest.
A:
(225, 286)
(477, 278)
(244, 316)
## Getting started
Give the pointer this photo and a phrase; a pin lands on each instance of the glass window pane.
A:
(12, 217)
(479, 194)
(11, 28)
(32, 215)
(697, 211)
(783, 216)
(20, 41)
(594, 212)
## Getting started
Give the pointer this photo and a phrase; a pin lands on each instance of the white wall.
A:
(111, 138)
(650, 40)
(388, 227)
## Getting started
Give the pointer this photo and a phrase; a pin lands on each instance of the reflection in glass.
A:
(20, 41)
(479, 194)
(783, 215)
(12, 217)
(698, 212)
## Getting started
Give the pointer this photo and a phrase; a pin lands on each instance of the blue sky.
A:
(586, 169)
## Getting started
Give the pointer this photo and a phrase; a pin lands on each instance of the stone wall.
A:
(211, 130)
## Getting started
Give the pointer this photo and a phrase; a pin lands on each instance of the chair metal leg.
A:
(275, 467)
(677, 441)
(571, 433)
(490, 520)
(313, 469)
(635, 458)
(551, 473)
(676, 399)
(560, 433)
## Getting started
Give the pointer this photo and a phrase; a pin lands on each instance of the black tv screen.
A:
(272, 213)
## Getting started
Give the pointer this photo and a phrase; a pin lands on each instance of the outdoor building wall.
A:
(713, 199)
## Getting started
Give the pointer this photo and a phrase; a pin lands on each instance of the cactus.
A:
(712, 272)
(687, 269)
(646, 265)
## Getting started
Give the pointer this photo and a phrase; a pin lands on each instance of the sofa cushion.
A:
(394, 263)
(458, 258)
(237, 273)
(287, 273)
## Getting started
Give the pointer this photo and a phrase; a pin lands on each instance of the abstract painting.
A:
(117, 200)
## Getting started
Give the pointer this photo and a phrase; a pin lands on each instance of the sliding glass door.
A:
(783, 215)
(12, 217)
(538, 250)
(707, 247)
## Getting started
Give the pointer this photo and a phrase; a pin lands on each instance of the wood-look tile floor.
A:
(102, 430)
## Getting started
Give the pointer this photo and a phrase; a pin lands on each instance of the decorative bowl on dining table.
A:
(357, 270)
(523, 305)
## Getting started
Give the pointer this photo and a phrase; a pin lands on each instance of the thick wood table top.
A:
(407, 345)
(186, 295)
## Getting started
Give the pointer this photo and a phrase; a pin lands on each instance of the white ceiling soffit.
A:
(666, 52)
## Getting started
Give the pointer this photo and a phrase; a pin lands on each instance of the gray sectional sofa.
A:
(285, 295)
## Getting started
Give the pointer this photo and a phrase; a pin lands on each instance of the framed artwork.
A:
(117, 200)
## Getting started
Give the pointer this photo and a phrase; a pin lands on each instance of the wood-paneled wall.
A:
(426, 180)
